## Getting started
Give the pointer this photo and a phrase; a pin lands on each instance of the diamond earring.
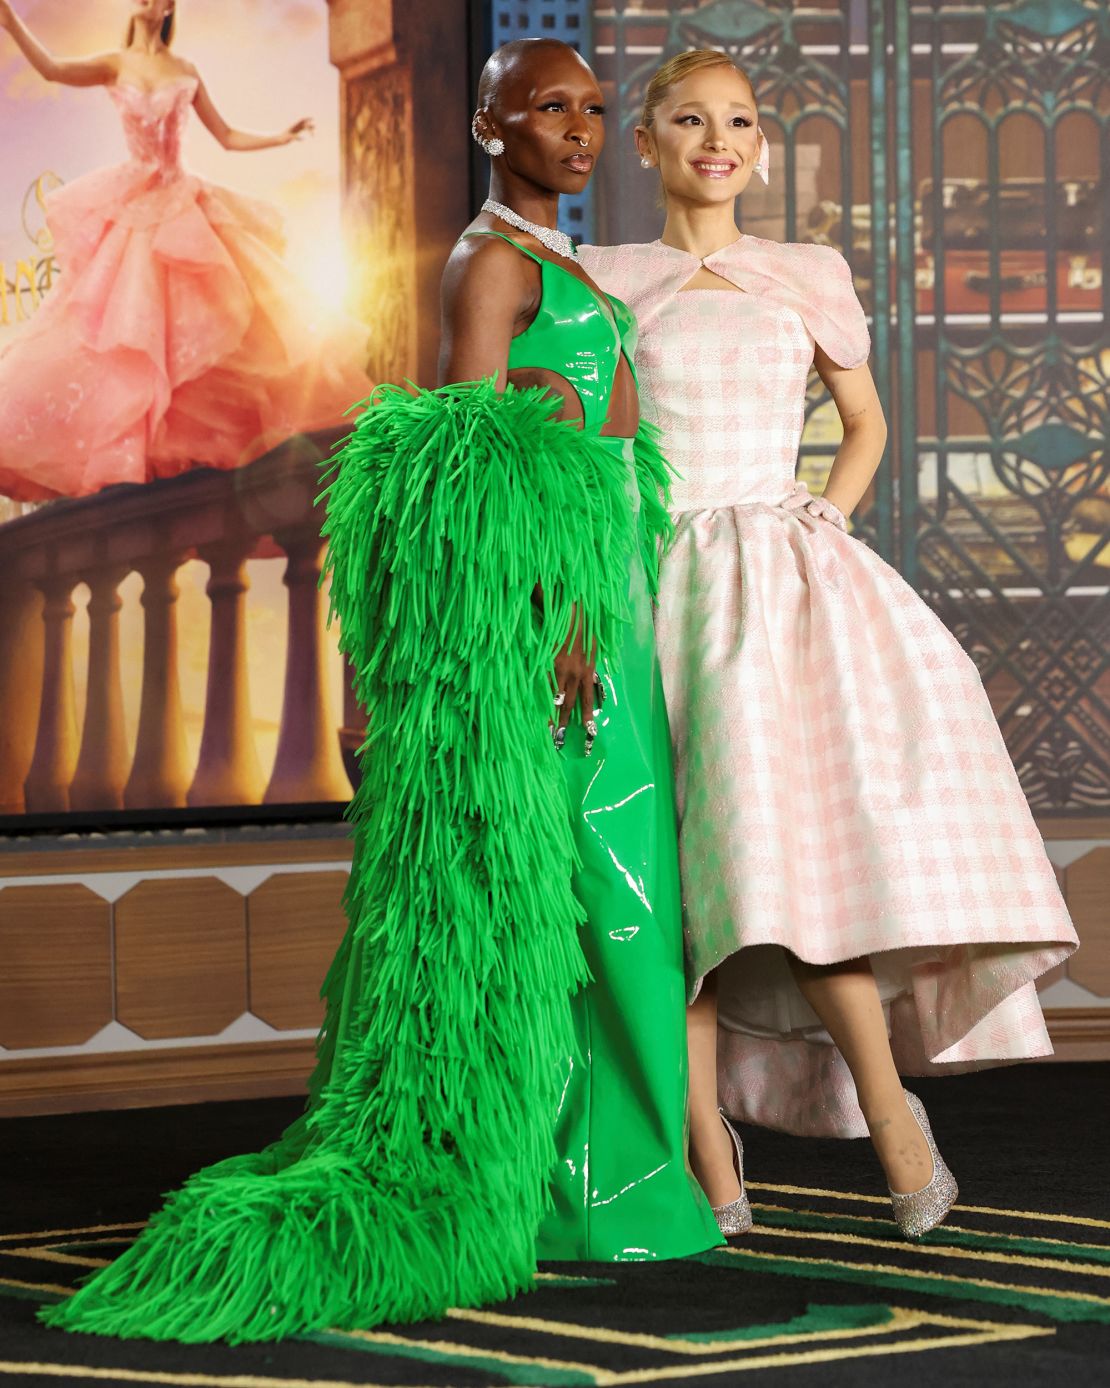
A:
(493, 147)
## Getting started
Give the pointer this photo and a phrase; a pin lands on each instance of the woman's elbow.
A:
(868, 428)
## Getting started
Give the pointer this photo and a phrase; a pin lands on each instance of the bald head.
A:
(519, 58)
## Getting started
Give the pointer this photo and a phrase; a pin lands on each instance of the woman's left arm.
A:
(861, 450)
(241, 139)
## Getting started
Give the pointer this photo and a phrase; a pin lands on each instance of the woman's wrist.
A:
(824, 508)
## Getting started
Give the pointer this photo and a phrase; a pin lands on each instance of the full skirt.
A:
(843, 790)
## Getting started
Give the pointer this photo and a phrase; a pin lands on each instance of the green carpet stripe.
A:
(29, 1294)
(814, 1318)
(950, 1238)
(526, 1375)
(1065, 1307)
(552, 1279)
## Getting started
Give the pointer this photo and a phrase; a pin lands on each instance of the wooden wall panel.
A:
(168, 1075)
(155, 857)
(1088, 887)
(55, 965)
(295, 922)
(181, 957)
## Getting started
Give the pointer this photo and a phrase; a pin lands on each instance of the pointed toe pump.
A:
(736, 1217)
(918, 1211)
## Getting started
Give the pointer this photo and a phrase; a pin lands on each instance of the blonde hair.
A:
(678, 67)
(168, 24)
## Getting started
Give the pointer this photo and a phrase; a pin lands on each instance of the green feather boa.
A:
(416, 1179)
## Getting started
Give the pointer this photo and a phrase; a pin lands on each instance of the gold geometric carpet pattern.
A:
(989, 1277)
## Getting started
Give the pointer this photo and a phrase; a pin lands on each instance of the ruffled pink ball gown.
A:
(843, 787)
(176, 336)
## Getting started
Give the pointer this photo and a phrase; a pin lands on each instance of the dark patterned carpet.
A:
(1014, 1289)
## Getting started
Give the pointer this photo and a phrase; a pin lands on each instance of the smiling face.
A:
(704, 136)
(548, 108)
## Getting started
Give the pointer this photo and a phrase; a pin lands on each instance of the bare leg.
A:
(710, 1145)
(846, 998)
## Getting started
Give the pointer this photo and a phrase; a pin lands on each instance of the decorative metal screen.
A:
(952, 151)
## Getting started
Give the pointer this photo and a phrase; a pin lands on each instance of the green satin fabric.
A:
(623, 1189)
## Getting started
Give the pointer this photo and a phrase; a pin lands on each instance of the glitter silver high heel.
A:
(918, 1211)
(734, 1218)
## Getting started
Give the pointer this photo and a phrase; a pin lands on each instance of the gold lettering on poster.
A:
(22, 293)
(33, 212)
(44, 184)
(23, 288)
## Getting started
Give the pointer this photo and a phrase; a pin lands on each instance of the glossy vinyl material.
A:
(573, 335)
(623, 1189)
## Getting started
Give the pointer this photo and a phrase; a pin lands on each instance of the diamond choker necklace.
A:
(557, 241)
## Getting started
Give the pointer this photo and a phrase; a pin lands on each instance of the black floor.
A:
(1022, 1298)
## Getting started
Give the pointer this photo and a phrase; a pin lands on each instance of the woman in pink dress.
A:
(865, 889)
(176, 336)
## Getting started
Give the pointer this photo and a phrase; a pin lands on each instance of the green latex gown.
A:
(622, 1187)
(461, 1063)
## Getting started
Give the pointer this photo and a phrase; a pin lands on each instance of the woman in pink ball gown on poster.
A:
(176, 337)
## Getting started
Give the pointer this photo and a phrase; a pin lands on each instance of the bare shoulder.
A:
(485, 269)
(111, 60)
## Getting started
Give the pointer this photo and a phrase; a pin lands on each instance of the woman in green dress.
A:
(478, 1103)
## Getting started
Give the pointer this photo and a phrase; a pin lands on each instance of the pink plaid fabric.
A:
(843, 786)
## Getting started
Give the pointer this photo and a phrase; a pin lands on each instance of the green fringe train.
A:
(416, 1178)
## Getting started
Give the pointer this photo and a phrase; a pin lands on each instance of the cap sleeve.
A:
(812, 281)
(834, 314)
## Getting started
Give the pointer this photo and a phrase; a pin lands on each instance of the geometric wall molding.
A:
(166, 1075)
(87, 858)
(55, 965)
(195, 954)
(295, 922)
(1088, 890)
(181, 957)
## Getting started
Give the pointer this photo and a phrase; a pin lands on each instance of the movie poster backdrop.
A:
(117, 608)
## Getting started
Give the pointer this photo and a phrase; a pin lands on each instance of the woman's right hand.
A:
(576, 682)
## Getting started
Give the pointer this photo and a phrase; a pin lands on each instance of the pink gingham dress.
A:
(843, 788)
